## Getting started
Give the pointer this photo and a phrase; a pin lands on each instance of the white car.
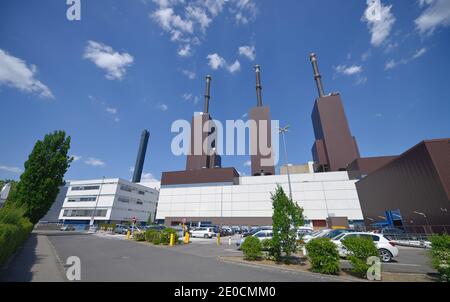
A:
(261, 235)
(386, 248)
(203, 232)
(306, 238)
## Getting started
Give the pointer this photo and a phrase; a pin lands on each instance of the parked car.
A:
(336, 232)
(386, 248)
(121, 229)
(391, 232)
(304, 231)
(255, 230)
(204, 232)
(67, 228)
(261, 235)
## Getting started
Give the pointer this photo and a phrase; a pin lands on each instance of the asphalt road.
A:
(104, 259)
(110, 258)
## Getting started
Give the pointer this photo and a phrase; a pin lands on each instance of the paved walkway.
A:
(36, 262)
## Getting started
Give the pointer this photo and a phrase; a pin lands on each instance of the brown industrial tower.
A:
(201, 157)
(334, 147)
(262, 162)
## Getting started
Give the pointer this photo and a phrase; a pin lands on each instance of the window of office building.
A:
(126, 188)
(85, 188)
(84, 213)
(123, 199)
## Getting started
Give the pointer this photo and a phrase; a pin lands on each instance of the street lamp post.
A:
(282, 131)
(424, 216)
(96, 202)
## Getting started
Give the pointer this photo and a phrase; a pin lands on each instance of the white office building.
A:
(247, 200)
(112, 200)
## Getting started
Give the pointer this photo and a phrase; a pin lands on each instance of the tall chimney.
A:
(141, 156)
(207, 94)
(317, 76)
(258, 86)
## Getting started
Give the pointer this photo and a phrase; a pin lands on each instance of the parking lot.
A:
(409, 260)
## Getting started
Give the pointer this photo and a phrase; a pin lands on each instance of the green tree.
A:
(44, 171)
(286, 218)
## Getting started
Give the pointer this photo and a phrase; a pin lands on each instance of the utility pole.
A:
(282, 131)
(96, 202)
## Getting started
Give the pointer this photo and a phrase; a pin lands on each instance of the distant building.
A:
(4, 193)
(415, 185)
(113, 200)
(298, 169)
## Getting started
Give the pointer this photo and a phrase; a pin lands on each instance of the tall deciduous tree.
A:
(44, 171)
(286, 218)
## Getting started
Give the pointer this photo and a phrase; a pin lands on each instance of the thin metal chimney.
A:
(207, 94)
(258, 86)
(141, 156)
(317, 76)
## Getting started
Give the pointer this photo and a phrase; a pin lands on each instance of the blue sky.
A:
(130, 65)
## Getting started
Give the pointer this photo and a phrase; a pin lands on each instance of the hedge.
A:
(14, 231)
(160, 237)
(323, 255)
(440, 255)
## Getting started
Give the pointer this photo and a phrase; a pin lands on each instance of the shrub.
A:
(150, 235)
(139, 236)
(440, 255)
(156, 240)
(165, 235)
(323, 255)
(359, 250)
(267, 246)
(14, 230)
(251, 248)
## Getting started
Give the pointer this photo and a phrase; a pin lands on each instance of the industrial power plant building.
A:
(247, 200)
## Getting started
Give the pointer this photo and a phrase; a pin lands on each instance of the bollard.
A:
(128, 234)
(186, 238)
(229, 240)
(218, 239)
(172, 239)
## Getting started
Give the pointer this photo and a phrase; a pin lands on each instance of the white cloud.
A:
(392, 63)
(190, 74)
(436, 14)
(187, 21)
(111, 110)
(14, 72)
(11, 169)
(380, 21)
(420, 53)
(148, 177)
(248, 52)
(349, 70)
(75, 157)
(247, 163)
(185, 51)
(95, 162)
(236, 66)
(104, 57)
(215, 61)
(163, 107)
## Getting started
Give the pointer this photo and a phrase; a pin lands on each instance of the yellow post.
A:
(186, 238)
(172, 239)
(218, 239)
(128, 234)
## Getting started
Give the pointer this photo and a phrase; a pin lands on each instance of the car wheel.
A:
(385, 255)
(205, 236)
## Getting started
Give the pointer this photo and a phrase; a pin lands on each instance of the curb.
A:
(260, 265)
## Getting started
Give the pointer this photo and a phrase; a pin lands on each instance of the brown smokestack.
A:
(258, 86)
(207, 94)
(317, 76)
